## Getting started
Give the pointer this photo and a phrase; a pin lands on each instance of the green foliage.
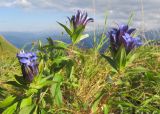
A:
(78, 81)
(121, 60)
(67, 82)
(76, 35)
(6, 102)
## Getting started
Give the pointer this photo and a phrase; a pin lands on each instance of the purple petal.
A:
(137, 41)
(127, 39)
(34, 58)
(21, 55)
(29, 54)
(33, 54)
(82, 15)
(24, 61)
(29, 74)
(84, 19)
(131, 30)
(69, 19)
(123, 28)
(78, 16)
(114, 30)
(88, 20)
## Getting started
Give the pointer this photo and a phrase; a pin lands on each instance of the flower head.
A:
(80, 19)
(122, 36)
(77, 26)
(29, 65)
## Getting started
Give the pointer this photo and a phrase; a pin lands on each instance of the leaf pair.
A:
(12, 104)
(76, 35)
(121, 59)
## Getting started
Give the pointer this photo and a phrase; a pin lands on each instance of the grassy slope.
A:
(6, 48)
(8, 61)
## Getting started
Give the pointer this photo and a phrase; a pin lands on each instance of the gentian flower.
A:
(122, 36)
(80, 19)
(29, 65)
(130, 42)
(78, 23)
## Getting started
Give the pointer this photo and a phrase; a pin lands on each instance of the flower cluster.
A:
(80, 19)
(122, 36)
(29, 65)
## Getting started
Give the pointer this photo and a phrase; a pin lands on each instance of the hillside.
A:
(8, 61)
(6, 48)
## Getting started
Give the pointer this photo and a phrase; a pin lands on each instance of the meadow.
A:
(61, 78)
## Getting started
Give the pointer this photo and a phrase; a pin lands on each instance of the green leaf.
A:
(106, 109)
(7, 101)
(35, 111)
(95, 104)
(124, 103)
(20, 79)
(110, 61)
(77, 34)
(46, 83)
(56, 90)
(43, 111)
(69, 66)
(120, 58)
(50, 41)
(60, 45)
(11, 109)
(65, 28)
(31, 91)
(43, 102)
(131, 57)
(44, 79)
(41, 66)
(14, 83)
(81, 38)
(60, 59)
(41, 82)
(39, 44)
(25, 102)
(27, 109)
(71, 76)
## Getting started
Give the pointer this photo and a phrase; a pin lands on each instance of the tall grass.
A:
(94, 88)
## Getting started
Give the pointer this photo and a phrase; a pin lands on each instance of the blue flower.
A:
(29, 65)
(122, 36)
(77, 26)
(80, 19)
(130, 42)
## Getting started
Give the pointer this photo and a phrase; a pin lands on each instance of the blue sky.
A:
(18, 19)
(41, 15)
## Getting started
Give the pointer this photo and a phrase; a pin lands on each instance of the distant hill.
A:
(153, 34)
(6, 48)
(23, 39)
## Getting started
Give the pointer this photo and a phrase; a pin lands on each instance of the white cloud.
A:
(16, 3)
(119, 10)
(23, 3)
